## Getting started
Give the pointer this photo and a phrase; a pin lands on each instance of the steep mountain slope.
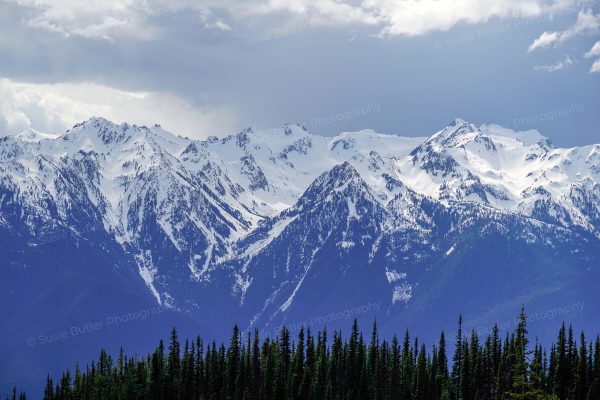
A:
(266, 227)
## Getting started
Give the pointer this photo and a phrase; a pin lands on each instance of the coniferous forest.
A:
(327, 366)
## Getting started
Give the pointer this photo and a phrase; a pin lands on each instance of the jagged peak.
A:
(290, 129)
(460, 132)
(93, 121)
(100, 121)
(110, 132)
(457, 130)
(342, 183)
(341, 175)
(345, 169)
(458, 122)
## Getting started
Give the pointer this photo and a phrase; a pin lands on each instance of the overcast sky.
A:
(213, 67)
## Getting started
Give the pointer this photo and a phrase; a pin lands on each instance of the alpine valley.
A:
(112, 233)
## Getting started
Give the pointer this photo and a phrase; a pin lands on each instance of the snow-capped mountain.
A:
(278, 225)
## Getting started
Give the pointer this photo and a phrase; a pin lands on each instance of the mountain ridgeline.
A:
(283, 227)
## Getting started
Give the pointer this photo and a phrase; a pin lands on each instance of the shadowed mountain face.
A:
(111, 233)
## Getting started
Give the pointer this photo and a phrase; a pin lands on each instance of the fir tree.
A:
(484, 369)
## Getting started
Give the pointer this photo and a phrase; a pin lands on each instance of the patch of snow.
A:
(402, 292)
(344, 244)
(451, 250)
(393, 276)
(148, 272)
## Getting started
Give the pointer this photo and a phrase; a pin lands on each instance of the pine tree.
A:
(297, 372)
(457, 362)
(171, 385)
(581, 375)
(421, 382)
(594, 390)
(255, 368)
(562, 369)
(465, 385)
(373, 364)
(399, 366)
(441, 370)
(233, 362)
(345, 369)
(49, 390)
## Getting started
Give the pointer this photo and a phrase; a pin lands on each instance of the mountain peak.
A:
(93, 121)
(457, 132)
(460, 125)
(345, 171)
(32, 135)
(338, 178)
(458, 122)
(107, 131)
(290, 129)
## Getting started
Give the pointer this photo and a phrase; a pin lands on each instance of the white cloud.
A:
(545, 40)
(57, 107)
(586, 23)
(107, 18)
(594, 51)
(218, 24)
(412, 18)
(90, 19)
(557, 66)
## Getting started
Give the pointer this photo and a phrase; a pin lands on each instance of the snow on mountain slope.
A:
(278, 165)
(31, 135)
(184, 207)
(335, 221)
(276, 226)
(515, 171)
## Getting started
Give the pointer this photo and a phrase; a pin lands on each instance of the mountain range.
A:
(281, 226)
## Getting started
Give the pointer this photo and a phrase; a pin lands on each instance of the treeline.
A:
(319, 367)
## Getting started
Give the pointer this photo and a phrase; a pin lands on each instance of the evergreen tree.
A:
(484, 369)
(49, 390)
(421, 382)
(562, 369)
(581, 375)
(441, 363)
(233, 362)
(457, 360)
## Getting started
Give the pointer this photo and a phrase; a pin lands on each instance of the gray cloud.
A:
(55, 107)
(282, 64)
(110, 18)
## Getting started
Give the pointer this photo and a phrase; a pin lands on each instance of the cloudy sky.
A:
(213, 67)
